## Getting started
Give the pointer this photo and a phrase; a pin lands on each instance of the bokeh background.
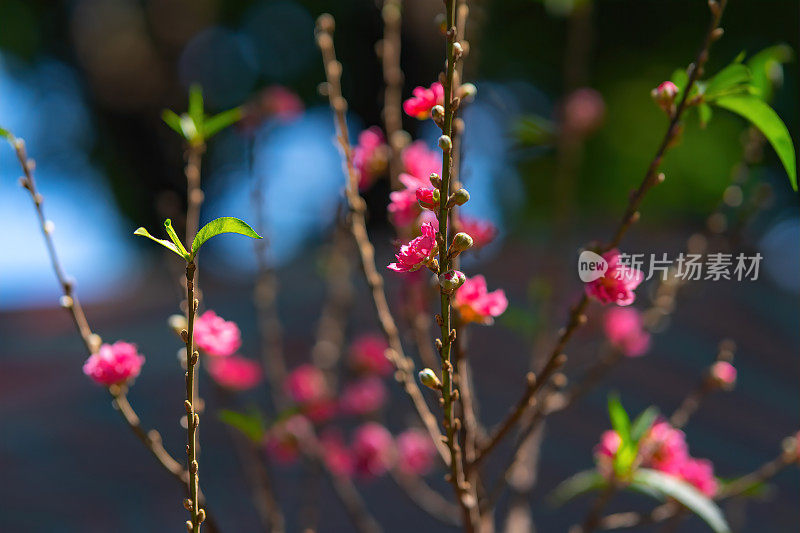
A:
(84, 82)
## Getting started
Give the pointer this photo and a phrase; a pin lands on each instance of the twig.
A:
(395, 354)
(393, 92)
(690, 404)
(631, 215)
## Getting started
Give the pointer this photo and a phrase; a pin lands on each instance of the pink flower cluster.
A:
(419, 163)
(216, 336)
(363, 397)
(417, 252)
(476, 304)
(370, 156)
(235, 372)
(662, 448)
(618, 283)
(724, 374)
(625, 331)
(419, 106)
(114, 364)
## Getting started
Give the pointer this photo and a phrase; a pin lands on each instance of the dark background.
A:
(84, 82)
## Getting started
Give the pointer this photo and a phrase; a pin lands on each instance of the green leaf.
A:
(175, 239)
(765, 68)
(642, 423)
(221, 121)
(221, 225)
(732, 78)
(196, 104)
(534, 130)
(680, 78)
(250, 424)
(172, 120)
(769, 123)
(163, 242)
(580, 483)
(619, 418)
(671, 487)
(705, 112)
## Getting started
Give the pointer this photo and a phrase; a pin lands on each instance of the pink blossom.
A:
(337, 456)
(369, 156)
(625, 331)
(373, 450)
(114, 364)
(216, 336)
(321, 410)
(482, 231)
(417, 253)
(664, 95)
(416, 452)
(419, 106)
(306, 385)
(583, 112)
(606, 450)
(428, 198)
(700, 473)
(282, 102)
(664, 448)
(618, 283)
(476, 304)
(235, 372)
(282, 441)
(723, 373)
(367, 354)
(363, 397)
(420, 162)
(403, 207)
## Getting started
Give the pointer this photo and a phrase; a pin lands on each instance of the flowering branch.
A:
(150, 439)
(466, 500)
(192, 417)
(395, 354)
(652, 177)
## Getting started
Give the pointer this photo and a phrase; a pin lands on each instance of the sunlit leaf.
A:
(694, 500)
(172, 120)
(580, 483)
(619, 418)
(250, 424)
(642, 423)
(732, 78)
(174, 237)
(222, 225)
(163, 242)
(221, 121)
(196, 103)
(534, 130)
(769, 123)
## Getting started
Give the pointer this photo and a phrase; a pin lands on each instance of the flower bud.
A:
(451, 280)
(445, 143)
(664, 95)
(461, 242)
(723, 374)
(428, 198)
(428, 378)
(460, 197)
(436, 181)
(467, 92)
(437, 114)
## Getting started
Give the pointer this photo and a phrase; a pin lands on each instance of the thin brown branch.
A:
(403, 365)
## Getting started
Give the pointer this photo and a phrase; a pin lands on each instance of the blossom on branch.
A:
(625, 332)
(417, 253)
(419, 106)
(618, 282)
(216, 336)
(235, 372)
(114, 364)
(476, 304)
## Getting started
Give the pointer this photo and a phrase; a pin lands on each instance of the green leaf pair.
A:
(213, 228)
(194, 125)
(630, 434)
